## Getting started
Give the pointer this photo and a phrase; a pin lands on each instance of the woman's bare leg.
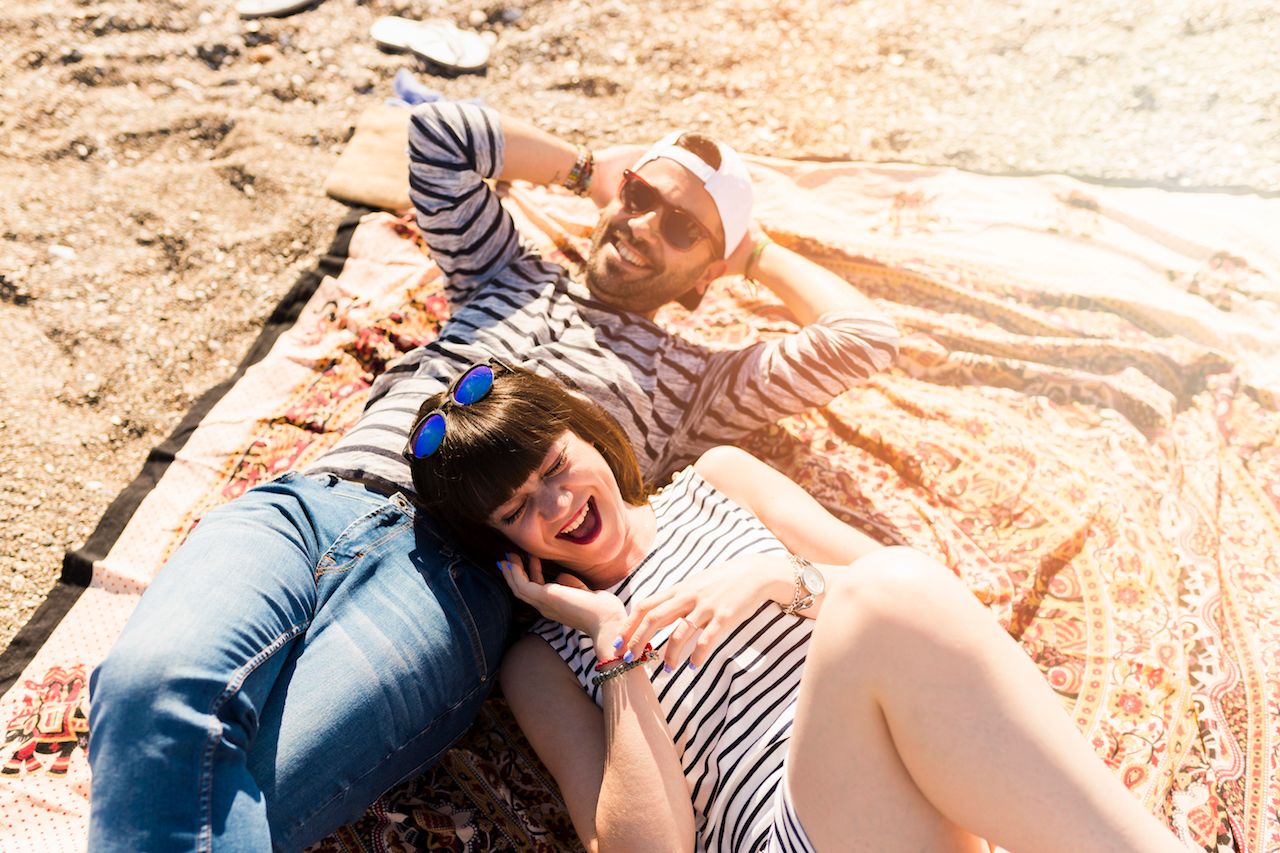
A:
(922, 726)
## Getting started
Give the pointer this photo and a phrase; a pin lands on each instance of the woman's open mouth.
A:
(584, 527)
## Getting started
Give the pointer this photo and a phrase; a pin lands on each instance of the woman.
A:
(865, 702)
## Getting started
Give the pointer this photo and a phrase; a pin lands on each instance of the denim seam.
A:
(485, 684)
(204, 842)
(369, 501)
(469, 619)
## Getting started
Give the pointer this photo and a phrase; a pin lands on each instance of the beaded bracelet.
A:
(648, 647)
(649, 654)
(579, 180)
(755, 259)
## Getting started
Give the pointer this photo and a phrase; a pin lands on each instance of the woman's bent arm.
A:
(791, 513)
(716, 601)
(618, 770)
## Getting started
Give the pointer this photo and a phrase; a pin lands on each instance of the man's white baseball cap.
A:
(729, 186)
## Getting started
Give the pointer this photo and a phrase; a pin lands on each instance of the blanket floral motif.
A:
(1100, 470)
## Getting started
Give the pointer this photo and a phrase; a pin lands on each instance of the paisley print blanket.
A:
(1083, 423)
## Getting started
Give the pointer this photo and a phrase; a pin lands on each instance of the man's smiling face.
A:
(632, 265)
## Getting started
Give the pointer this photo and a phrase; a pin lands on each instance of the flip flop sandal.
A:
(392, 33)
(435, 41)
(444, 45)
(272, 8)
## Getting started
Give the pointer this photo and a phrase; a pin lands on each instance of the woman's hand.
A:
(711, 604)
(568, 601)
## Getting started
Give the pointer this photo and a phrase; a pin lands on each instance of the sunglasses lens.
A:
(679, 230)
(637, 196)
(474, 385)
(429, 436)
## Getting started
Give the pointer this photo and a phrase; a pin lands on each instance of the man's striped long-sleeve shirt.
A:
(673, 398)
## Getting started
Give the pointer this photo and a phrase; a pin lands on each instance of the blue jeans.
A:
(310, 645)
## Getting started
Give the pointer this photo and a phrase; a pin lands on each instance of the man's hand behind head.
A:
(607, 173)
(737, 262)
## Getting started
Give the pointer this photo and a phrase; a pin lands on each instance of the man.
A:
(316, 641)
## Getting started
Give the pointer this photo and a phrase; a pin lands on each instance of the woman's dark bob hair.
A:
(491, 447)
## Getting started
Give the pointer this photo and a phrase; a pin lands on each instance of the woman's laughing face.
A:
(570, 511)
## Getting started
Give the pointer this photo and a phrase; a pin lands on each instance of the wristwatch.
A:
(809, 585)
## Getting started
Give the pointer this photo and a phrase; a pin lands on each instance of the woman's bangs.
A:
(490, 479)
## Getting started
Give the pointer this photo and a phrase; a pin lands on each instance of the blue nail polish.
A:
(617, 644)
(628, 657)
(500, 564)
(666, 667)
(692, 665)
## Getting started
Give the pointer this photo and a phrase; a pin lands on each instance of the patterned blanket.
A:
(1083, 423)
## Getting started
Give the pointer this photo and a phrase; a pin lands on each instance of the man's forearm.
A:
(534, 155)
(807, 289)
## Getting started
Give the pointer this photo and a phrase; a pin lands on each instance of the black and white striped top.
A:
(673, 398)
(731, 718)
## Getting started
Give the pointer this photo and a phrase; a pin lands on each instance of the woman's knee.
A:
(892, 586)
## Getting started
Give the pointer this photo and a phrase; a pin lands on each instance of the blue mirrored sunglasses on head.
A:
(473, 385)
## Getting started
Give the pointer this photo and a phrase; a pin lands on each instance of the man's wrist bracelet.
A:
(579, 180)
(754, 260)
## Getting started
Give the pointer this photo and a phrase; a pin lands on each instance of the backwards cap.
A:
(729, 186)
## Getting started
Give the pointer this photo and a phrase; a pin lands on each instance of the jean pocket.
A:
(365, 540)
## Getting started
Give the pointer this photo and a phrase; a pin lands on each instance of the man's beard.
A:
(643, 294)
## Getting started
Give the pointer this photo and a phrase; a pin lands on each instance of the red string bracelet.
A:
(648, 655)
(648, 649)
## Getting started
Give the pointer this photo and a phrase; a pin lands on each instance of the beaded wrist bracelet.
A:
(649, 654)
(579, 180)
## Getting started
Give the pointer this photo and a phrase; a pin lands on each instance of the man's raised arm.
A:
(807, 289)
(453, 149)
(845, 338)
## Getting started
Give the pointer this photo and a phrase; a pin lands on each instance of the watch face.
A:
(812, 580)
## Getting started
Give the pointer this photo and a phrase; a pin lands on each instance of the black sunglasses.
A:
(680, 229)
(472, 385)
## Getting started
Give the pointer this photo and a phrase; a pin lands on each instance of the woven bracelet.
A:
(648, 647)
(649, 654)
(579, 180)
